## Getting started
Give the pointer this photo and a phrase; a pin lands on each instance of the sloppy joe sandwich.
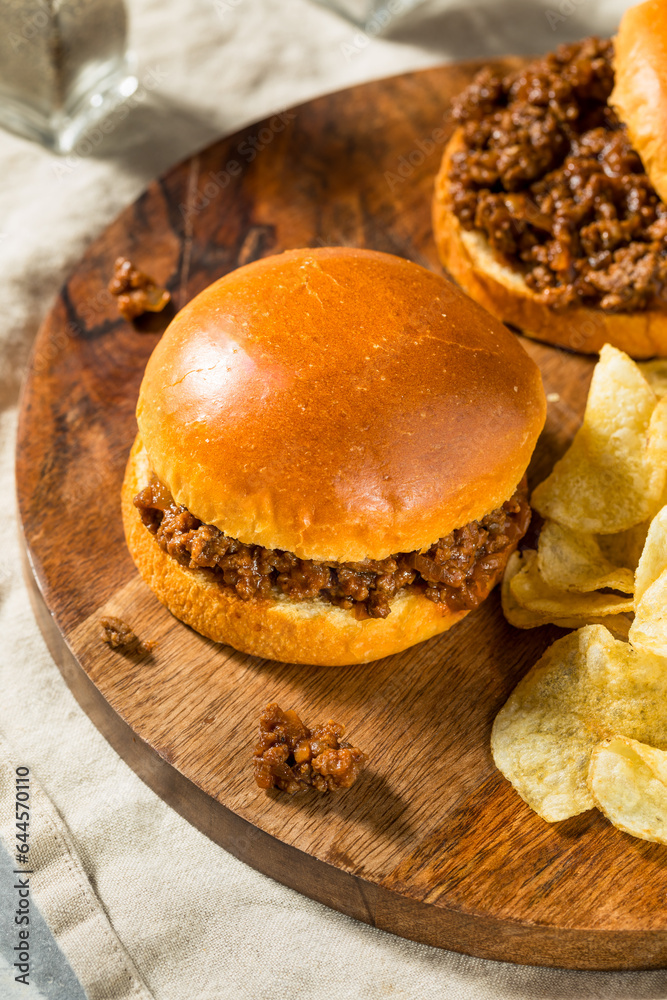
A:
(330, 465)
(549, 203)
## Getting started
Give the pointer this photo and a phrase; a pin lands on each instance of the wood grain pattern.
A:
(432, 843)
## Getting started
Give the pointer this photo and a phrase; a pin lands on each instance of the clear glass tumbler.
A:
(64, 65)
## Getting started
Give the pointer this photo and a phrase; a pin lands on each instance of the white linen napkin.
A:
(141, 903)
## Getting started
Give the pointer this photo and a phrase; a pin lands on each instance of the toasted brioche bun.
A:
(339, 404)
(640, 85)
(278, 629)
(468, 257)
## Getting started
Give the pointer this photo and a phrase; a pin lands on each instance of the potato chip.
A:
(571, 560)
(655, 373)
(653, 561)
(521, 617)
(625, 547)
(649, 629)
(611, 477)
(531, 591)
(628, 782)
(657, 439)
(586, 688)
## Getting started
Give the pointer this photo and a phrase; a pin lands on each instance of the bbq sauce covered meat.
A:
(116, 632)
(135, 291)
(292, 757)
(455, 571)
(119, 635)
(549, 177)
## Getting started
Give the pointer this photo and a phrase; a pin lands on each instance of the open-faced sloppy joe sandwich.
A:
(549, 204)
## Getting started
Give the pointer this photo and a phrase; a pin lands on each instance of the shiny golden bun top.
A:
(339, 404)
(640, 89)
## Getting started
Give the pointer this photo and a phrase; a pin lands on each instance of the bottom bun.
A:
(312, 631)
(468, 257)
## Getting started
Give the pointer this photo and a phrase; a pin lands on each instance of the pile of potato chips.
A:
(581, 729)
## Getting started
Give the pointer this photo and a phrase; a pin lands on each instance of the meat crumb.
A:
(136, 291)
(292, 757)
(119, 635)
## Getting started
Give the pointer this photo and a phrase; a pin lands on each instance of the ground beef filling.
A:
(549, 177)
(292, 757)
(457, 571)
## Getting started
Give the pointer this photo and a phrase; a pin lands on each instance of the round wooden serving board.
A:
(431, 843)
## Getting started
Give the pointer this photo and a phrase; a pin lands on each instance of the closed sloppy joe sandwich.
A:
(549, 207)
(330, 465)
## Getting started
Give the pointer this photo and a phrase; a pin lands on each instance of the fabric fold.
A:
(62, 890)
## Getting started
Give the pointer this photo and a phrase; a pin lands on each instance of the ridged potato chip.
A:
(571, 560)
(613, 475)
(657, 442)
(628, 782)
(625, 547)
(655, 373)
(532, 592)
(530, 617)
(653, 561)
(586, 688)
(588, 724)
(649, 629)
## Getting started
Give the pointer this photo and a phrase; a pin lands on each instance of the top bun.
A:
(640, 86)
(339, 404)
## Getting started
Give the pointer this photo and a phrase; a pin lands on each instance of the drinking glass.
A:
(64, 65)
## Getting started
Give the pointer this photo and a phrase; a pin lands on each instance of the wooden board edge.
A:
(383, 908)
